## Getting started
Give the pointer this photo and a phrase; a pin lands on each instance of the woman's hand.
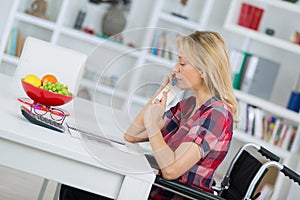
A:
(168, 79)
(153, 116)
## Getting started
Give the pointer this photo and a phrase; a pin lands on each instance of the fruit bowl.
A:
(45, 97)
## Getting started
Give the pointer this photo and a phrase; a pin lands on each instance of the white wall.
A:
(4, 12)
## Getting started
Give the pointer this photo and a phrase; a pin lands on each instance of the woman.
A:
(190, 140)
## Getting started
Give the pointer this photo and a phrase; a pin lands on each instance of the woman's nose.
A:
(176, 68)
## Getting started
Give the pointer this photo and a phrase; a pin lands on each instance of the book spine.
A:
(244, 14)
(8, 45)
(14, 39)
(250, 16)
(155, 42)
(256, 18)
(237, 79)
(295, 144)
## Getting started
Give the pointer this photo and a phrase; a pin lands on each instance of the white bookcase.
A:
(136, 66)
(285, 13)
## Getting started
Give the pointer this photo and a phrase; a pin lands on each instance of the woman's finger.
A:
(163, 100)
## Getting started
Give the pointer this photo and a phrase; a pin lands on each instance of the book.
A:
(279, 133)
(242, 116)
(291, 139)
(286, 138)
(264, 128)
(256, 18)
(244, 14)
(14, 38)
(283, 133)
(260, 76)
(155, 42)
(250, 16)
(161, 44)
(249, 74)
(20, 44)
(275, 130)
(250, 120)
(258, 125)
(295, 144)
(8, 45)
(270, 127)
(238, 77)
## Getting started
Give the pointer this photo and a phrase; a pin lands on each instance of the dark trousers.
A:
(70, 193)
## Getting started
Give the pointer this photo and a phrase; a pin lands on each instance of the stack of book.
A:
(264, 126)
(250, 16)
(163, 44)
(15, 43)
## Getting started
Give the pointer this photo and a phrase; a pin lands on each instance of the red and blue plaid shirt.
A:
(210, 127)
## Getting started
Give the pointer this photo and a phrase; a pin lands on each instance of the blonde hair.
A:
(208, 52)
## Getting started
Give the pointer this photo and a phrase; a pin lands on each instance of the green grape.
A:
(57, 87)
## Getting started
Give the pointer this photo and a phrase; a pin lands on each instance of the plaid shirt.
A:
(210, 128)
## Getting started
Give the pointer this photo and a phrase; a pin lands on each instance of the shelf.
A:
(112, 91)
(160, 60)
(100, 41)
(261, 37)
(246, 138)
(10, 59)
(185, 23)
(104, 89)
(139, 100)
(35, 21)
(281, 5)
(268, 106)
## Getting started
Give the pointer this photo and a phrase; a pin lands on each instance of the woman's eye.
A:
(181, 64)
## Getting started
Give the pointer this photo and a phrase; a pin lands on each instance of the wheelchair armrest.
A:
(186, 190)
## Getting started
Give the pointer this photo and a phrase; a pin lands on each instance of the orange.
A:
(33, 80)
(49, 78)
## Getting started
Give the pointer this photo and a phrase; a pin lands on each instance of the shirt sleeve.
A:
(208, 129)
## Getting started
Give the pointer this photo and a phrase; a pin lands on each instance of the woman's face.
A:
(187, 75)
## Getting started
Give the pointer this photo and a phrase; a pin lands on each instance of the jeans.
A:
(70, 193)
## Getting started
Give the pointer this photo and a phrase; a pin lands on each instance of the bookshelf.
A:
(281, 41)
(274, 11)
(59, 30)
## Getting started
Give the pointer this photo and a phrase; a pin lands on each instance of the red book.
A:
(256, 18)
(244, 14)
(250, 16)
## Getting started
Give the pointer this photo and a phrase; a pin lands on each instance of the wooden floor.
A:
(17, 185)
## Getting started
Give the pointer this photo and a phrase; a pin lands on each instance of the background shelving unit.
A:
(280, 41)
(112, 58)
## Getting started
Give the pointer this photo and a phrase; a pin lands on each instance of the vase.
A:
(113, 21)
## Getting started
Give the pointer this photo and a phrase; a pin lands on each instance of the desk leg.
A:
(134, 189)
(43, 189)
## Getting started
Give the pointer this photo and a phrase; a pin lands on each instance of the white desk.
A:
(62, 158)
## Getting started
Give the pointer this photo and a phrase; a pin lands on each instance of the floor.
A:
(17, 185)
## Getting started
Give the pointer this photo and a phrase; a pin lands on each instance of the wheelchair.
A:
(245, 166)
